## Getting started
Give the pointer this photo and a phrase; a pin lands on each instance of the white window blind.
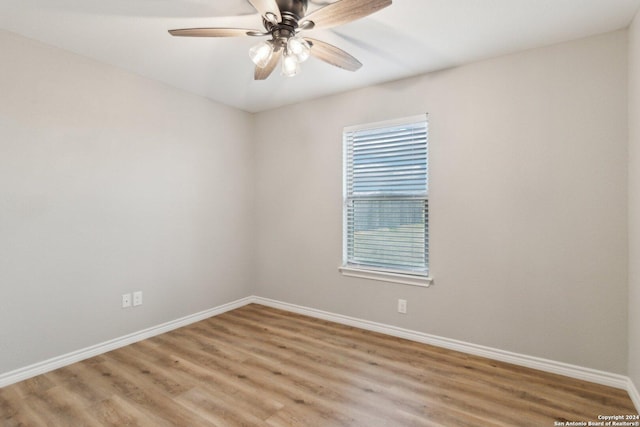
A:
(386, 206)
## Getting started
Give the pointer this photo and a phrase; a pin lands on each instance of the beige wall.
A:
(634, 202)
(528, 203)
(111, 183)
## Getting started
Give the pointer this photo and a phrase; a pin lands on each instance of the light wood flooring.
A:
(258, 366)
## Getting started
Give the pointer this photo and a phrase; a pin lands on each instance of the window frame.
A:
(372, 272)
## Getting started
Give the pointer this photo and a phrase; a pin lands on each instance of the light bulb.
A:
(261, 53)
(290, 65)
(299, 47)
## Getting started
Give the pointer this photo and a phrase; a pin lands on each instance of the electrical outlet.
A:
(126, 300)
(402, 306)
(137, 298)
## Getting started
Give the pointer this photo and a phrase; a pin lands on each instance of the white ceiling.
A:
(409, 37)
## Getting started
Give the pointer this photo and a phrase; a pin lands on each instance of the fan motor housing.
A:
(291, 11)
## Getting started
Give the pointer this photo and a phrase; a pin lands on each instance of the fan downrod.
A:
(294, 8)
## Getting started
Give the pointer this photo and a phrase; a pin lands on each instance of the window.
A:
(386, 206)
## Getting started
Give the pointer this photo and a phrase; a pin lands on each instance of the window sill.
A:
(383, 276)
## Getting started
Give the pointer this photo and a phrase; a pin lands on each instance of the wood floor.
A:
(257, 366)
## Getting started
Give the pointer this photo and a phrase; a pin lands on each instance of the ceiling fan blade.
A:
(265, 7)
(344, 11)
(263, 73)
(212, 32)
(333, 55)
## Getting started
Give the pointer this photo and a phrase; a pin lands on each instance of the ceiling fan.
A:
(283, 20)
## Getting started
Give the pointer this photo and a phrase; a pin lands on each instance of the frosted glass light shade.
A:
(290, 65)
(261, 53)
(299, 47)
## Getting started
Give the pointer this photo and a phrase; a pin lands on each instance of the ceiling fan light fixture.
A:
(282, 20)
(261, 53)
(290, 65)
(299, 47)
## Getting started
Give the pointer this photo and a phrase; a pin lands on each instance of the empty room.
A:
(319, 213)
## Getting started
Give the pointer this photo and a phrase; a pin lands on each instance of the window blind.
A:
(386, 207)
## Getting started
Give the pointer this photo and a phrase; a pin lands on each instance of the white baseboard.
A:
(76, 356)
(572, 371)
(634, 394)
